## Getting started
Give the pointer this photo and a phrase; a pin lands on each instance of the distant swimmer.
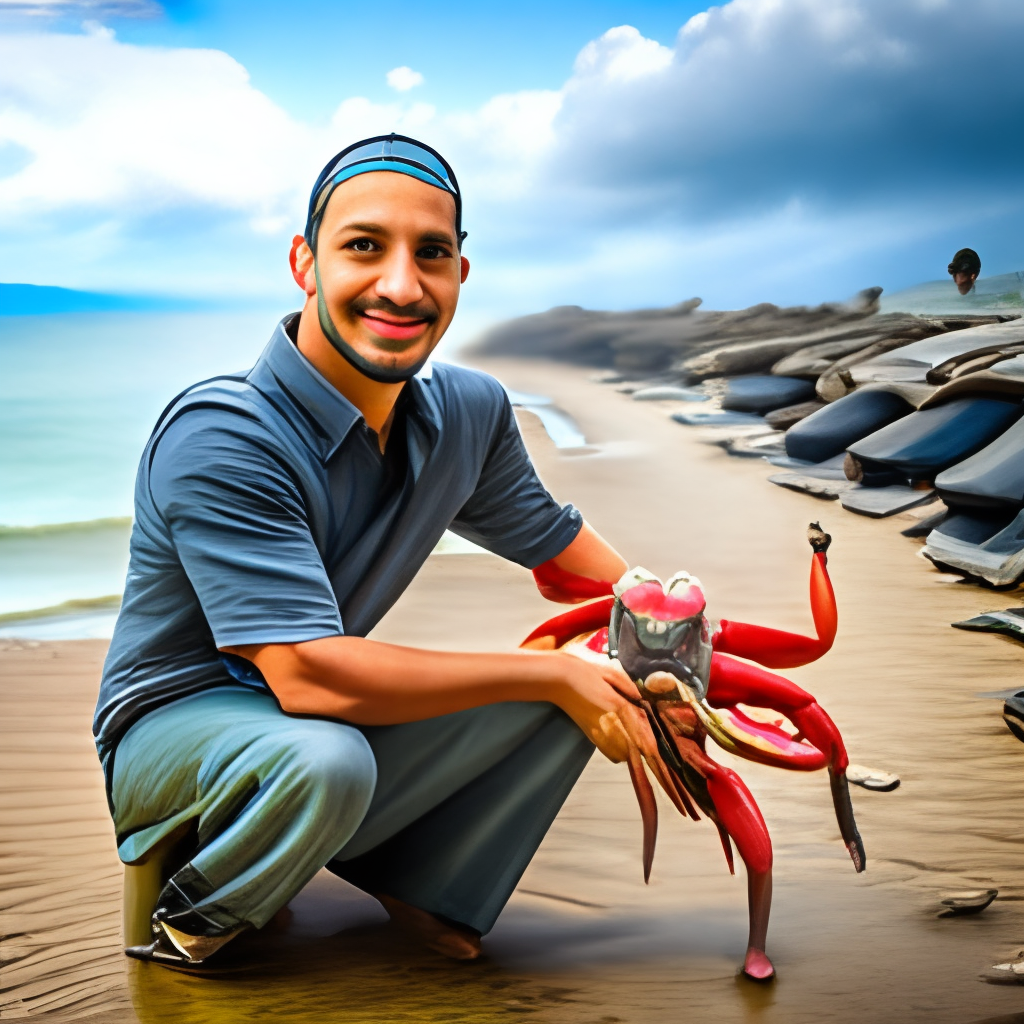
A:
(965, 268)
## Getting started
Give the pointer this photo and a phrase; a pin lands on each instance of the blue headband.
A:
(384, 153)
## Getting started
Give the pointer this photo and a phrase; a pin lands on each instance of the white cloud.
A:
(842, 133)
(59, 8)
(621, 55)
(403, 79)
(128, 131)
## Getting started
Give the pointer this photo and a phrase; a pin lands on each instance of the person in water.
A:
(279, 514)
(964, 269)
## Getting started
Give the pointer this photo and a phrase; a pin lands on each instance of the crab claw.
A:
(818, 538)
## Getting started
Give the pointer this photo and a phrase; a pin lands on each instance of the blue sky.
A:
(612, 154)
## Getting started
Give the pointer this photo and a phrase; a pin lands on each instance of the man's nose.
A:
(399, 279)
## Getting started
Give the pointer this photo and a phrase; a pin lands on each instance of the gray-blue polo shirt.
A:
(264, 513)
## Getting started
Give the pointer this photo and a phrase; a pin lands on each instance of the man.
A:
(279, 514)
(965, 268)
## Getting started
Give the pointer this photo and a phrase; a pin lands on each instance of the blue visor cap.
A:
(383, 153)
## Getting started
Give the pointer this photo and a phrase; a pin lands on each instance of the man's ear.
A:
(465, 269)
(301, 261)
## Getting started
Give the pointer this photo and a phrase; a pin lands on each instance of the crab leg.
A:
(735, 682)
(644, 746)
(775, 648)
(740, 818)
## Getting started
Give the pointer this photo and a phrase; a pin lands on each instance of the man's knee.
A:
(326, 764)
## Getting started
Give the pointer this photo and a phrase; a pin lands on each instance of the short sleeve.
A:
(235, 517)
(511, 512)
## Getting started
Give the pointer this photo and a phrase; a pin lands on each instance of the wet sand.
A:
(583, 941)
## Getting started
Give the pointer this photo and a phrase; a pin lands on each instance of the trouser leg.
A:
(273, 798)
(461, 805)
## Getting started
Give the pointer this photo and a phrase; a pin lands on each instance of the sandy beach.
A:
(583, 941)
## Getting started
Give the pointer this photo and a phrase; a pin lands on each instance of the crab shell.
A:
(659, 627)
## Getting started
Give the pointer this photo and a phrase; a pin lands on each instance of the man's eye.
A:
(433, 252)
(362, 245)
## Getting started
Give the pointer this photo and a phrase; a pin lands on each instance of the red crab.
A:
(688, 687)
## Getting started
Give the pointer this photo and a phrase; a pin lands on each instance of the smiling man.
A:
(279, 514)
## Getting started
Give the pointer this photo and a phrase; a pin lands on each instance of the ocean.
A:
(79, 394)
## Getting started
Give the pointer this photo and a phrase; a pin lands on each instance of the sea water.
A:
(79, 394)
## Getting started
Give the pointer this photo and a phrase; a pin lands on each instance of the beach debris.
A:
(718, 418)
(972, 901)
(816, 487)
(764, 393)
(1013, 714)
(1005, 378)
(787, 416)
(1009, 973)
(872, 778)
(880, 502)
(924, 443)
(831, 430)
(964, 364)
(668, 393)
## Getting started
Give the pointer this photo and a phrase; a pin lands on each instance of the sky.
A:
(611, 154)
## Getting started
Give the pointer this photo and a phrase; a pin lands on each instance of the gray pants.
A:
(444, 814)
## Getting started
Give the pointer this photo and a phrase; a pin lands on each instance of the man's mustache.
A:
(415, 311)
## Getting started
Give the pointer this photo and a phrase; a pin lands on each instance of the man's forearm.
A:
(371, 683)
(587, 568)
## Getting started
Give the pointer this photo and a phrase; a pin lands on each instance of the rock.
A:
(668, 393)
(880, 502)
(913, 362)
(758, 446)
(813, 360)
(718, 419)
(1013, 714)
(992, 477)
(1006, 623)
(922, 444)
(762, 394)
(816, 487)
(925, 526)
(998, 560)
(831, 430)
(784, 418)
(872, 778)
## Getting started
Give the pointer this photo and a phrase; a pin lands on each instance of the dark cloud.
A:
(830, 102)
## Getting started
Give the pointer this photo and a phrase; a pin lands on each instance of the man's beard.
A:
(359, 362)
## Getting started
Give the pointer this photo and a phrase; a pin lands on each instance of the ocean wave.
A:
(77, 606)
(50, 529)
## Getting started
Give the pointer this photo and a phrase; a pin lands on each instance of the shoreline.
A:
(583, 940)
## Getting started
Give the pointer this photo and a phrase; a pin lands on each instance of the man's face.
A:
(964, 281)
(390, 268)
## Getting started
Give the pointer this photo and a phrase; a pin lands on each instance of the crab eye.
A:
(633, 578)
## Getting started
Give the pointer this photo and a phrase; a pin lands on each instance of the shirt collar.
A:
(282, 367)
